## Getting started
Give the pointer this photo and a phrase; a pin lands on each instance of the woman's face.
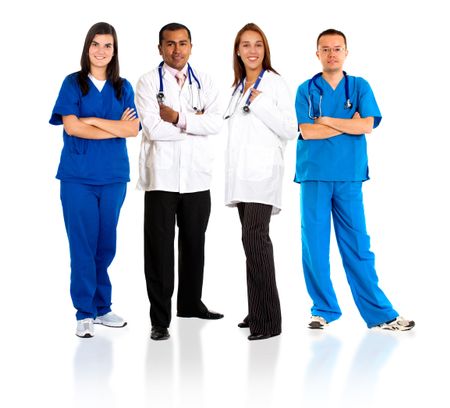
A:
(251, 50)
(101, 51)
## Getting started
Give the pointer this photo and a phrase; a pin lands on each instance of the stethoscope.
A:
(161, 97)
(313, 81)
(241, 86)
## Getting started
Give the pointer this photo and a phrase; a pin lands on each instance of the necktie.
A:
(180, 78)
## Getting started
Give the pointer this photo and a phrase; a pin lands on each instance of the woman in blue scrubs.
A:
(96, 108)
(334, 112)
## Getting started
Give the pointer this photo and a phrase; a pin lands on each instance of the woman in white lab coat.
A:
(261, 119)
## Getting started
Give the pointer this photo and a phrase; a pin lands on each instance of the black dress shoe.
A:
(159, 333)
(261, 336)
(243, 325)
(204, 314)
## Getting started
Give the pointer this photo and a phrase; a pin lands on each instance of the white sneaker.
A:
(111, 320)
(399, 323)
(85, 328)
(317, 322)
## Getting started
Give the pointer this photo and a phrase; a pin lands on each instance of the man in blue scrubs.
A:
(334, 112)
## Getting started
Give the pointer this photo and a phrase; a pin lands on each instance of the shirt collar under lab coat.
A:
(174, 71)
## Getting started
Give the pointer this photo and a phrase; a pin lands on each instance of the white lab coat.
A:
(172, 159)
(256, 143)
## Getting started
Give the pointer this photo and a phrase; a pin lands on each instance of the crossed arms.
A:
(326, 127)
(98, 128)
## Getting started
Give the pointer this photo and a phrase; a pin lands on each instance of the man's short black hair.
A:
(173, 27)
(332, 31)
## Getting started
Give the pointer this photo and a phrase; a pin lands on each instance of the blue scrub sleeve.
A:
(68, 101)
(128, 97)
(367, 104)
(301, 104)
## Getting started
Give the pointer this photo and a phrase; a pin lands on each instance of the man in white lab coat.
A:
(178, 108)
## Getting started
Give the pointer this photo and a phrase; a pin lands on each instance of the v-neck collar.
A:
(327, 84)
(96, 82)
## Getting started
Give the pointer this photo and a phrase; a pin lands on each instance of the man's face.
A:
(332, 52)
(175, 48)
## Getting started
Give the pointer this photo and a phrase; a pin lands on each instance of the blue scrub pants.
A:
(91, 213)
(344, 201)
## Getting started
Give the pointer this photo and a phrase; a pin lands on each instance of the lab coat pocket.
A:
(202, 159)
(161, 156)
(255, 163)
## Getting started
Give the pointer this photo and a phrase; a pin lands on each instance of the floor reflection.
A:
(319, 372)
(160, 387)
(372, 355)
(93, 366)
(174, 367)
(262, 370)
(190, 362)
(356, 387)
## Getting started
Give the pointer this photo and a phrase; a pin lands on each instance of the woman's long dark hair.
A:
(238, 65)
(112, 70)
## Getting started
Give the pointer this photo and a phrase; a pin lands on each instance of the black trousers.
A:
(163, 210)
(264, 312)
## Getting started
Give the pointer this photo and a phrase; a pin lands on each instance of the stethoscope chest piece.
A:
(240, 86)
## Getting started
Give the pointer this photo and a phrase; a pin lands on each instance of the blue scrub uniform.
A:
(331, 172)
(93, 176)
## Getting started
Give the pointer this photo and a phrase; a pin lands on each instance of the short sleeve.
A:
(128, 95)
(301, 104)
(128, 98)
(68, 101)
(367, 104)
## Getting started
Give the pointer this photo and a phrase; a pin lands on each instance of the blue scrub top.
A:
(90, 161)
(339, 158)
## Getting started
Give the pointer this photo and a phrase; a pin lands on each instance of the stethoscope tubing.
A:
(313, 81)
(160, 95)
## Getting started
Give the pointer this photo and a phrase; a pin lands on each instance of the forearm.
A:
(313, 131)
(210, 121)
(204, 124)
(354, 126)
(280, 118)
(119, 128)
(154, 127)
(75, 127)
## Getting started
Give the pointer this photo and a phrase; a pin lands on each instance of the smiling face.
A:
(175, 48)
(251, 50)
(101, 51)
(332, 52)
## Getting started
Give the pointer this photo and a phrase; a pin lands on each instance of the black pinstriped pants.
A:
(264, 313)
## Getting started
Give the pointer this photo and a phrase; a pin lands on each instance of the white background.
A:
(401, 47)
